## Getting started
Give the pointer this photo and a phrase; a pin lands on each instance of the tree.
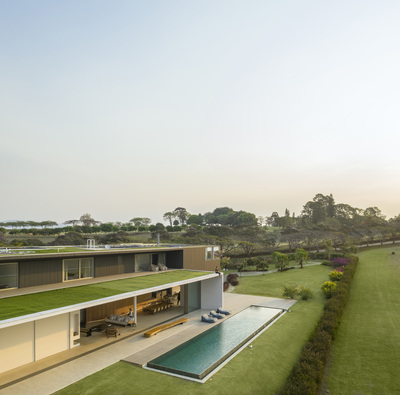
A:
(273, 240)
(141, 222)
(247, 247)
(169, 216)
(280, 260)
(328, 247)
(301, 255)
(182, 214)
(195, 219)
(87, 220)
(72, 222)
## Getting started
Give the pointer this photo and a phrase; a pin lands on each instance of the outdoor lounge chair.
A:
(214, 314)
(207, 318)
(221, 311)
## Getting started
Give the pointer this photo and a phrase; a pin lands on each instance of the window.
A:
(75, 269)
(212, 253)
(8, 275)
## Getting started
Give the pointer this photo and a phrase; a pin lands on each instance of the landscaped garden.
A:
(366, 357)
(261, 369)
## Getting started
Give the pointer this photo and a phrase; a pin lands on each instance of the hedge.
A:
(306, 375)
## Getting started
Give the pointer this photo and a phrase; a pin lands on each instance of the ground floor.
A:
(28, 339)
(58, 371)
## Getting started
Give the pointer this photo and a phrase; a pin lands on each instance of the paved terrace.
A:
(56, 372)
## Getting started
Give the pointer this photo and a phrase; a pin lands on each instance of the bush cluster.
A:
(307, 373)
(290, 291)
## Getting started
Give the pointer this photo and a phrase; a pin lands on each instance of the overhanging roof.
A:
(67, 309)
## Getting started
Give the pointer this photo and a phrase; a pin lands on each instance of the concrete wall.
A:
(17, 346)
(51, 335)
(25, 343)
(212, 293)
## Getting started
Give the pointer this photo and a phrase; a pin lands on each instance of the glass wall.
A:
(74, 269)
(194, 296)
(8, 275)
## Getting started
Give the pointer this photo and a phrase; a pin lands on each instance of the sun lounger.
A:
(207, 318)
(214, 314)
(221, 311)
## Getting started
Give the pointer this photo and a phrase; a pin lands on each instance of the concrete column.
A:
(134, 309)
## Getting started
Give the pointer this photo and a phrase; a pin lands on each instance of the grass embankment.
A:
(366, 356)
(33, 303)
(260, 370)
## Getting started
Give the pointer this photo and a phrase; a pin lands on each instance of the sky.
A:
(133, 108)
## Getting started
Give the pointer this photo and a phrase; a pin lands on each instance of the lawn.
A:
(28, 304)
(366, 357)
(260, 370)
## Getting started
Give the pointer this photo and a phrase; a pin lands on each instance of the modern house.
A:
(47, 298)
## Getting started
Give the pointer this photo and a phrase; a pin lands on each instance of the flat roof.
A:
(20, 254)
(25, 308)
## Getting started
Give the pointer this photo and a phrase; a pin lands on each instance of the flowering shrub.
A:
(327, 288)
(336, 275)
(339, 261)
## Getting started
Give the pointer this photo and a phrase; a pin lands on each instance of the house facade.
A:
(30, 337)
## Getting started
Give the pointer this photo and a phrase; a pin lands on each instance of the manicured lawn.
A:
(260, 370)
(270, 284)
(366, 357)
(28, 304)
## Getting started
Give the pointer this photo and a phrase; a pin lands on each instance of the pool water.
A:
(197, 357)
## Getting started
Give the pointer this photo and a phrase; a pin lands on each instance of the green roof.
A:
(17, 306)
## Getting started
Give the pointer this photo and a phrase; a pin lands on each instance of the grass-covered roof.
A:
(17, 306)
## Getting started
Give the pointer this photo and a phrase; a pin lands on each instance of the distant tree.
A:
(169, 216)
(195, 219)
(272, 240)
(287, 213)
(328, 247)
(72, 222)
(301, 256)
(260, 220)
(87, 220)
(45, 224)
(247, 247)
(280, 260)
(182, 214)
(141, 221)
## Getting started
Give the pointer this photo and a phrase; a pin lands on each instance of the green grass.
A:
(271, 284)
(367, 348)
(28, 304)
(260, 370)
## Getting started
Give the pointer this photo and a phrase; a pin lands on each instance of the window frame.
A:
(89, 267)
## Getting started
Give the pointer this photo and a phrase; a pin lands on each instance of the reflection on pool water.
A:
(199, 356)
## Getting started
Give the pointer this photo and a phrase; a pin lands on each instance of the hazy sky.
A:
(125, 109)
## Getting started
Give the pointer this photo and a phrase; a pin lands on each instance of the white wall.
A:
(16, 345)
(212, 293)
(52, 335)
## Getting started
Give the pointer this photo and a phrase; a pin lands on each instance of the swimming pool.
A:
(197, 357)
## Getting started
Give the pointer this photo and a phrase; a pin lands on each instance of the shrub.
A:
(336, 275)
(290, 291)
(226, 285)
(305, 293)
(307, 373)
(327, 288)
(232, 279)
